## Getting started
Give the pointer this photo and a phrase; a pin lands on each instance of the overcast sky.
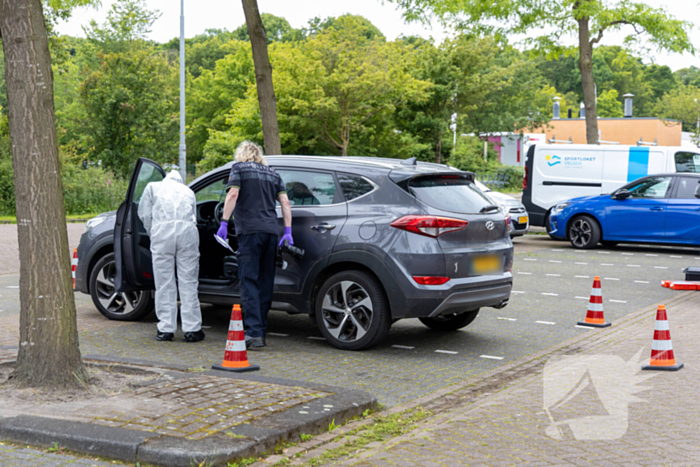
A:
(228, 14)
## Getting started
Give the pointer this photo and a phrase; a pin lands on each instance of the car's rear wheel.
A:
(352, 311)
(118, 306)
(584, 232)
(451, 322)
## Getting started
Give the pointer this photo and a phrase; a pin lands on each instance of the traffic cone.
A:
(236, 356)
(662, 358)
(594, 316)
(74, 265)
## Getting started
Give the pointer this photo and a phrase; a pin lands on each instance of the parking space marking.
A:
(553, 275)
(550, 294)
(633, 266)
(583, 298)
(507, 319)
(627, 254)
(530, 259)
(606, 264)
(491, 357)
(13, 286)
(582, 264)
(554, 261)
(642, 282)
(672, 256)
(604, 252)
(525, 273)
(545, 322)
(583, 327)
(516, 291)
(660, 267)
(617, 301)
(650, 255)
(580, 251)
(557, 250)
(448, 352)
(582, 277)
(403, 347)
(611, 278)
(277, 334)
(317, 338)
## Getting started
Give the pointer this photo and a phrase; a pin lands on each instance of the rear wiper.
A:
(488, 208)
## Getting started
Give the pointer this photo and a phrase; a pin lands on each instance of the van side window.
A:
(653, 188)
(687, 187)
(687, 162)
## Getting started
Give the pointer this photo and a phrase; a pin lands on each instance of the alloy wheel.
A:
(111, 300)
(347, 311)
(581, 233)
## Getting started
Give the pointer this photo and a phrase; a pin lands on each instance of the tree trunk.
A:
(585, 65)
(48, 349)
(438, 150)
(263, 77)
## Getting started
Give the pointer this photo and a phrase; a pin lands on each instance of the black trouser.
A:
(256, 275)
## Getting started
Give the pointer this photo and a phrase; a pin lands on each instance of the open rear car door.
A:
(132, 253)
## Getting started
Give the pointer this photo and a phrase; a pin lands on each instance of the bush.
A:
(469, 155)
(91, 190)
(7, 188)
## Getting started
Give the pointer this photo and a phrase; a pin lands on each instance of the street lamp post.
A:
(183, 148)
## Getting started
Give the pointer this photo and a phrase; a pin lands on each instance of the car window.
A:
(687, 162)
(687, 187)
(308, 188)
(655, 187)
(354, 186)
(450, 193)
(212, 192)
(147, 174)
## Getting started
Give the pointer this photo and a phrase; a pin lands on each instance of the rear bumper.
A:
(496, 296)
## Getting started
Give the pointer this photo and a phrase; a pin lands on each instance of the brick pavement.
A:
(511, 427)
(9, 253)
(18, 456)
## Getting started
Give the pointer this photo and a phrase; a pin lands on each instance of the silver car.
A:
(519, 219)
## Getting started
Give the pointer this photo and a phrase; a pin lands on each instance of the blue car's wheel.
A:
(584, 232)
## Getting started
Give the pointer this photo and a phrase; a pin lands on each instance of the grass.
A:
(70, 218)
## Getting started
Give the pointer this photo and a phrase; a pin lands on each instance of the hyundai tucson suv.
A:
(384, 239)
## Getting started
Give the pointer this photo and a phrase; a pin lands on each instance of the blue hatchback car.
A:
(662, 209)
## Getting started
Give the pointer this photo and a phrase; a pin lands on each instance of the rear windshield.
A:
(449, 193)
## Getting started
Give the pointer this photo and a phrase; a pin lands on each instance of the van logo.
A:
(553, 160)
(490, 225)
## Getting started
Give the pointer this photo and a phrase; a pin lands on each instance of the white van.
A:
(557, 172)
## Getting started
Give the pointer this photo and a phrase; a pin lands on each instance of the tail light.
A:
(430, 226)
(430, 280)
(508, 219)
(525, 178)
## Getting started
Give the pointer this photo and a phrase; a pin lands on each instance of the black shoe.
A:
(254, 342)
(164, 336)
(194, 336)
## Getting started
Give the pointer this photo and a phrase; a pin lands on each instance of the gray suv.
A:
(385, 239)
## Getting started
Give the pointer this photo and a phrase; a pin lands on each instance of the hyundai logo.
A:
(490, 225)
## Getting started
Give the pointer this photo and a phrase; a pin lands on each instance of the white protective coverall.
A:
(168, 211)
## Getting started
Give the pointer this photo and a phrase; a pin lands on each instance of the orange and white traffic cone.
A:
(662, 358)
(236, 356)
(74, 265)
(594, 316)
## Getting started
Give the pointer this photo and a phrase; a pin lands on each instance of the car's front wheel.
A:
(118, 306)
(584, 232)
(352, 311)
(451, 322)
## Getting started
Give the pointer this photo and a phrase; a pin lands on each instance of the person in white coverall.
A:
(168, 211)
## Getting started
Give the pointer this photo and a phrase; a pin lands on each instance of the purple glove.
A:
(287, 236)
(222, 233)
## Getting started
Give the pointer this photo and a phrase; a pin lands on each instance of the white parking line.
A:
(642, 282)
(604, 252)
(580, 251)
(627, 254)
(611, 278)
(583, 298)
(317, 338)
(633, 266)
(557, 250)
(13, 286)
(525, 273)
(583, 327)
(545, 322)
(554, 261)
(530, 259)
(660, 267)
(491, 357)
(553, 275)
(448, 352)
(277, 334)
(672, 256)
(650, 255)
(617, 301)
(507, 319)
(403, 347)
(516, 291)
(582, 264)
(550, 294)
(582, 277)
(606, 264)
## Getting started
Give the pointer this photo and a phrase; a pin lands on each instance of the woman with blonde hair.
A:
(252, 192)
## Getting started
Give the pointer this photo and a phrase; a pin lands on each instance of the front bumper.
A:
(557, 226)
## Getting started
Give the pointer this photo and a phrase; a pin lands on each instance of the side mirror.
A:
(697, 192)
(624, 194)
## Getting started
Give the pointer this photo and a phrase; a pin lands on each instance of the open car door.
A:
(132, 252)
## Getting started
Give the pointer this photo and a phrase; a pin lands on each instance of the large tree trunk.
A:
(263, 77)
(48, 349)
(585, 65)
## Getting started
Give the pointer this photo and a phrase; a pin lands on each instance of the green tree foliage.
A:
(128, 22)
(131, 110)
(688, 76)
(609, 106)
(276, 28)
(682, 105)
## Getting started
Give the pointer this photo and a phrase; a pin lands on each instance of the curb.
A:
(240, 441)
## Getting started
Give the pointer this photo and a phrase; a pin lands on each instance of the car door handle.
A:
(657, 208)
(323, 226)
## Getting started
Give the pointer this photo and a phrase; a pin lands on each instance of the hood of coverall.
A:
(174, 176)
